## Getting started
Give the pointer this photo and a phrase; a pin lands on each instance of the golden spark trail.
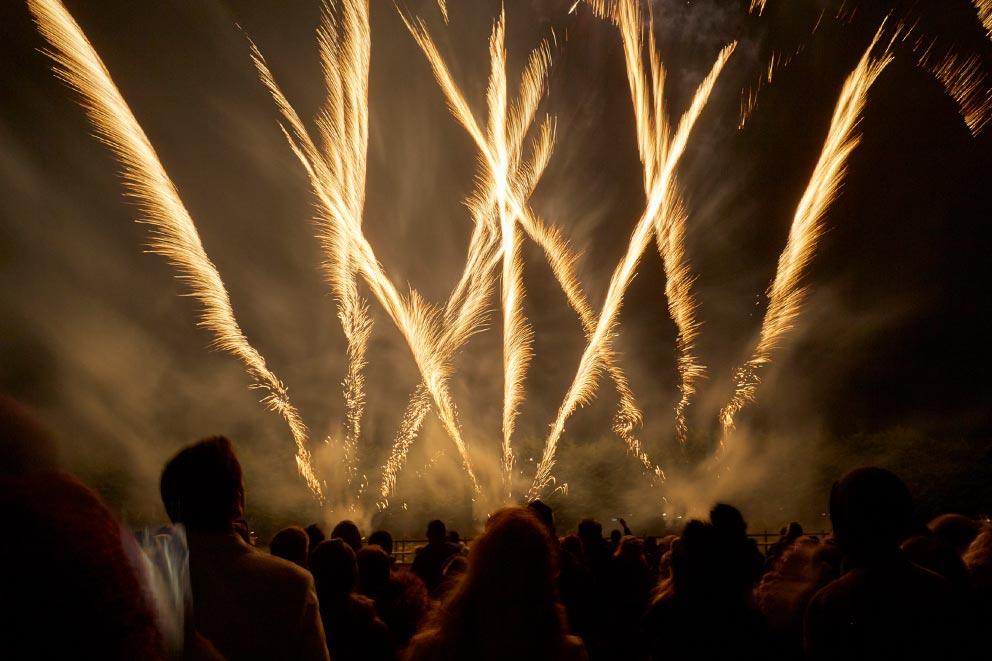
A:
(786, 295)
(598, 350)
(343, 128)
(174, 234)
(465, 311)
(517, 334)
(965, 81)
(557, 251)
(984, 9)
(647, 84)
(757, 6)
(416, 320)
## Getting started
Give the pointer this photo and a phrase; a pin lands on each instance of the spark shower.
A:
(514, 144)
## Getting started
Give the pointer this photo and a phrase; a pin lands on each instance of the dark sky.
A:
(889, 363)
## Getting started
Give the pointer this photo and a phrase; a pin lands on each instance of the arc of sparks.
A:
(647, 86)
(786, 294)
(173, 233)
(343, 129)
(558, 252)
(984, 9)
(465, 311)
(599, 347)
(416, 320)
(517, 333)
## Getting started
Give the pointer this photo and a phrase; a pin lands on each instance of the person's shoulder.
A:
(278, 571)
(573, 649)
(424, 646)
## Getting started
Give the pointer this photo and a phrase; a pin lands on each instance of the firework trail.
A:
(965, 81)
(647, 83)
(465, 311)
(442, 6)
(599, 349)
(416, 320)
(558, 253)
(343, 128)
(174, 235)
(502, 146)
(786, 295)
(984, 9)
(757, 6)
(517, 333)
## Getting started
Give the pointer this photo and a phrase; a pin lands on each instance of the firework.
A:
(786, 294)
(599, 349)
(416, 320)
(343, 128)
(984, 9)
(174, 234)
(557, 251)
(647, 83)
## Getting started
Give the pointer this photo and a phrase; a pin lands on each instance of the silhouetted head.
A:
(978, 559)
(316, 535)
(334, 569)
(383, 540)
(931, 553)
(794, 531)
(453, 537)
(728, 520)
(202, 486)
(349, 532)
(955, 530)
(545, 514)
(590, 531)
(373, 569)
(572, 544)
(650, 545)
(630, 549)
(694, 559)
(615, 536)
(436, 531)
(291, 544)
(871, 511)
(25, 444)
(505, 605)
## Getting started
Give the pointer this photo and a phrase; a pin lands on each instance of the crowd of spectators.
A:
(880, 586)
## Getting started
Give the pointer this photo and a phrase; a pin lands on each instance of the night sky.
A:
(889, 363)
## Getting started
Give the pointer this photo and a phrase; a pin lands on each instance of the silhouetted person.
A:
(745, 563)
(955, 530)
(629, 595)
(67, 579)
(353, 630)
(348, 532)
(930, 552)
(452, 572)
(703, 615)
(591, 620)
(429, 560)
(383, 540)
(316, 535)
(400, 597)
(546, 516)
(505, 608)
(291, 544)
(614, 543)
(787, 536)
(978, 560)
(883, 606)
(248, 604)
(801, 569)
